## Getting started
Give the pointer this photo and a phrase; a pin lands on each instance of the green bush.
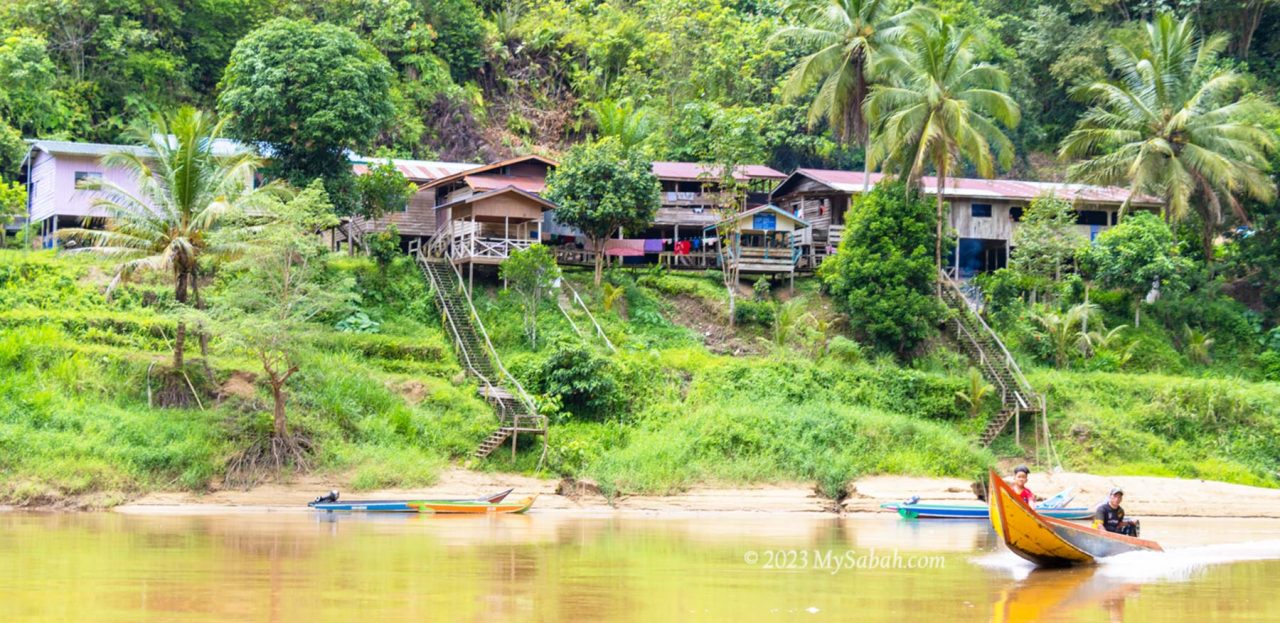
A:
(757, 313)
(583, 382)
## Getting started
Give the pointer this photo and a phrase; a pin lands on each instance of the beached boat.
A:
(929, 510)
(330, 503)
(1051, 542)
(473, 508)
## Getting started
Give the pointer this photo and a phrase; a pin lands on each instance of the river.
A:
(559, 567)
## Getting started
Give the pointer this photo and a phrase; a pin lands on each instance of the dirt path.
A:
(1145, 496)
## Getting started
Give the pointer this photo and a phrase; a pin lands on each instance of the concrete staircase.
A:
(512, 404)
(981, 344)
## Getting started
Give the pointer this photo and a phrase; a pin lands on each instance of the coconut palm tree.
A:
(937, 107)
(184, 191)
(1172, 125)
(848, 34)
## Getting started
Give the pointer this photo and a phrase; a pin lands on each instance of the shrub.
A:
(582, 381)
(884, 274)
(759, 313)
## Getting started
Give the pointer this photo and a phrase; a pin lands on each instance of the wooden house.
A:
(418, 219)
(53, 170)
(762, 240)
(485, 213)
(982, 214)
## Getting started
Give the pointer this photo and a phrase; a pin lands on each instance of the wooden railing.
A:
(472, 245)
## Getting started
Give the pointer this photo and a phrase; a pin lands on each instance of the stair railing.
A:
(1023, 393)
(457, 333)
(520, 392)
(590, 316)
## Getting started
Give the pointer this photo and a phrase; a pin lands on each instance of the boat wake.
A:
(1140, 567)
(1183, 563)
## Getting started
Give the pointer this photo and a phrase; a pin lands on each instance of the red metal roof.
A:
(970, 188)
(482, 183)
(697, 171)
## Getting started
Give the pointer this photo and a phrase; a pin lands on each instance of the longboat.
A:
(330, 503)
(929, 510)
(1048, 541)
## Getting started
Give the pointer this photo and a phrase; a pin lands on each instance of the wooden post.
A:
(1017, 427)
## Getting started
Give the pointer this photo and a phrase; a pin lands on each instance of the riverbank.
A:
(1145, 496)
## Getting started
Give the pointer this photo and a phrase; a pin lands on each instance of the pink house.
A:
(51, 171)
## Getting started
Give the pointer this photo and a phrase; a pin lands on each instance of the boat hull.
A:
(973, 511)
(473, 508)
(1051, 542)
(400, 506)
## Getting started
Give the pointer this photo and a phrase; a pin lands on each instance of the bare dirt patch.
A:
(710, 322)
(239, 385)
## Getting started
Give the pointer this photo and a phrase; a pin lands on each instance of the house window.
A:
(980, 210)
(1015, 213)
(86, 175)
(1092, 217)
(1115, 217)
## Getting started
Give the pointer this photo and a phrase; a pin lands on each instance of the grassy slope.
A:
(393, 407)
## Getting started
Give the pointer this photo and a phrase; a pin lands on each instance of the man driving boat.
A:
(1110, 516)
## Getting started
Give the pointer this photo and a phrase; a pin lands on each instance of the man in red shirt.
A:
(1020, 474)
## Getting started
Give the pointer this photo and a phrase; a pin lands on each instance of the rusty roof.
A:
(690, 171)
(416, 170)
(970, 188)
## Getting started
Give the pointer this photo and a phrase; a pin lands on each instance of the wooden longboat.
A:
(1051, 542)
(400, 506)
(930, 510)
(473, 508)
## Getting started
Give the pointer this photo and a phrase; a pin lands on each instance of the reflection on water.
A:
(332, 567)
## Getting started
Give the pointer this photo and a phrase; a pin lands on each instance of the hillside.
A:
(674, 407)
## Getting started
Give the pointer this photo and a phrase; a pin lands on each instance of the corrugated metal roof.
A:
(696, 171)
(481, 183)
(416, 170)
(221, 147)
(970, 188)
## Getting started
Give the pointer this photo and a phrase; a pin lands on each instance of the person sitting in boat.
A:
(1110, 516)
(1020, 475)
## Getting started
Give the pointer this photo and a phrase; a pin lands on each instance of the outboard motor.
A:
(324, 499)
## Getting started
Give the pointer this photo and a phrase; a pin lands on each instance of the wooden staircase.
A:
(981, 344)
(514, 407)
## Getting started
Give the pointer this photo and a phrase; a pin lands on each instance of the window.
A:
(1015, 213)
(980, 210)
(1092, 217)
(86, 175)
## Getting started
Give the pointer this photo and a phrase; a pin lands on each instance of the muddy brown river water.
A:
(559, 567)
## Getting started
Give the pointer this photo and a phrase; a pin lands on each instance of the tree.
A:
(185, 192)
(622, 120)
(848, 34)
(975, 393)
(1062, 331)
(277, 286)
(383, 188)
(1173, 126)
(1045, 240)
(13, 205)
(1138, 256)
(938, 107)
(459, 25)
(531, 273)
(881, 276)
(600, 188)
(313, 92)
(27, 77)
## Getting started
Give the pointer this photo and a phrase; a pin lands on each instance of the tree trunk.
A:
(598, 243)
(937, 243)
(281, 429)
(204, 332)
(180, 338)
(1137, 311)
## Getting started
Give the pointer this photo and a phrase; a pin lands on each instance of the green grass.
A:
(392, 409)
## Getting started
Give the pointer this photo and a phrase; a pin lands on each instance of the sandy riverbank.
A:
(1145, 496)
